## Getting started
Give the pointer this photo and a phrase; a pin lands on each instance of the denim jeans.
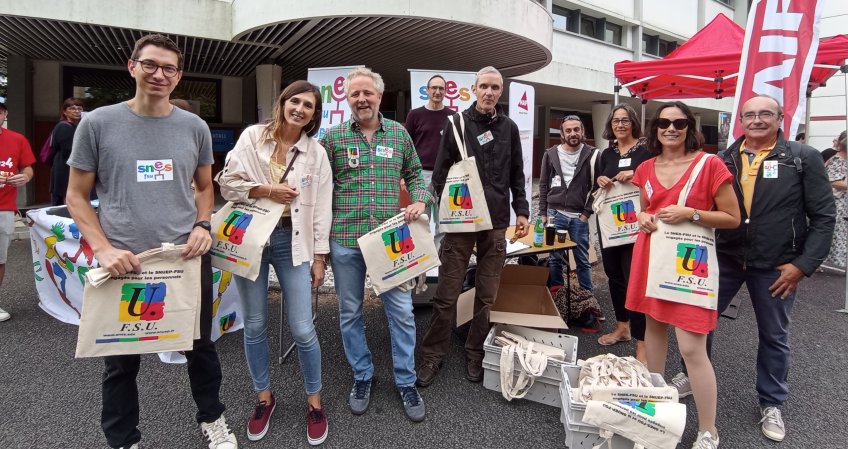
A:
(578, 232)
(297, 298)
(120, 414)
(773, 320)
(349, 275)
(454, 255)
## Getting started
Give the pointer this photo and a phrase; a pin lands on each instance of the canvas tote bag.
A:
(396, 252)
(617, 209)
(463, 206)
(241, 230)
(156, 310)
(682, 266)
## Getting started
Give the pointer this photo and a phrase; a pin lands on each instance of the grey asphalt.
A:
(50, 400)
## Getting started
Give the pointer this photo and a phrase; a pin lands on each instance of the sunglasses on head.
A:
(679, 124)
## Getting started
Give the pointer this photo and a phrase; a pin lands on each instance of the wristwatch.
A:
(696, 216)
(204, 224)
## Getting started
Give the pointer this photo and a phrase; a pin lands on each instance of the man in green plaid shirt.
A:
(369, 156)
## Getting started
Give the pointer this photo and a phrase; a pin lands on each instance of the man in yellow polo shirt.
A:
(788, 216)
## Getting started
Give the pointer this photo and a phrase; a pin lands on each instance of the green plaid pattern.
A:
(366, 196)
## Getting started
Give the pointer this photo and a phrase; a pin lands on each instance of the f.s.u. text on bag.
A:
(463, 206)
(153, 311)
(396, 251)
(239, 234)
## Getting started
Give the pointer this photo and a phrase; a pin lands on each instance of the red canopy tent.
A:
(707, 65)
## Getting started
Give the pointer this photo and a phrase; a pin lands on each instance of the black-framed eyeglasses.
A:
(151, 67)
(763, 115)
(679, 124)
(620, 121)
(75, 108)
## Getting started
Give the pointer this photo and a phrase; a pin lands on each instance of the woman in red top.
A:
(710, 203)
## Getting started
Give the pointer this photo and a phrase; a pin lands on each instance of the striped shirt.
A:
(366, 177)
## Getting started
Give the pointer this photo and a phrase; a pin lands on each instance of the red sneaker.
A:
(257, 425)
(316, 425)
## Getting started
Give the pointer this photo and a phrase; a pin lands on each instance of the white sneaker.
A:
(772, 424)
(219, 435)
(681, 382)
(705, 441)
(4, 315)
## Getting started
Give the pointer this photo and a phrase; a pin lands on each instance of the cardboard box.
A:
(523, 299)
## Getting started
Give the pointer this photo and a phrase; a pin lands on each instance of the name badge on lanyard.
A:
(556, 181)
(648, 189)
(386, 152)
(624, 163)
(485, 138)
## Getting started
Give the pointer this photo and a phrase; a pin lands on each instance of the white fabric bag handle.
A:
(531, 365)
(460, 144)
(684, 193)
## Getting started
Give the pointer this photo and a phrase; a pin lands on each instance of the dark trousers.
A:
(617, 261)
(455, 254)
(119, 417)
(773, 321)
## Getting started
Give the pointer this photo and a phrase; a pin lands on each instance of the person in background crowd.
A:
(565, 197)
(62, 143)
(830, 152)
(108, 145)
(425, 125)
(618, 163)
(801, 138)
(492, 138)
(710, 203)
(254, 169)
(837, 170)
(16, 159)
(369, 155)
(788, 216)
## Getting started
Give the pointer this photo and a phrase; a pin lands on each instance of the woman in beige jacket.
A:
(254, 169)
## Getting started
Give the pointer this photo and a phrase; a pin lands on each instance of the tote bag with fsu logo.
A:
(463, 206)
(682, 266)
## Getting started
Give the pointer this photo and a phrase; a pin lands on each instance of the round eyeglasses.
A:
(151, 67)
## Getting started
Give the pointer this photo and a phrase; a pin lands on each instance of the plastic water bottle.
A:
(538, 233)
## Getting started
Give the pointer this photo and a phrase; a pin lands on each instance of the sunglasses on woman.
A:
(679, 124)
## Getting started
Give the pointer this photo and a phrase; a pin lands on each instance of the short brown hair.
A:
(635, 123)
(296, 88)
(161, 41)
(693, 142)
(70, 101)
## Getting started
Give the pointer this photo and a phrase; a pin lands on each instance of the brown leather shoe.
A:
(474, 370)
(427, 373)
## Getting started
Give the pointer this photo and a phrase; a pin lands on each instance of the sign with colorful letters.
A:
(458, 95)
(330, 81)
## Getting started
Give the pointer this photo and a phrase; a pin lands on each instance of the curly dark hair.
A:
(635, 123)
(693, 142)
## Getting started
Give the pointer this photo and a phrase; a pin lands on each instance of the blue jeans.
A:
(349, 275)
(297, 296)
(578, 232)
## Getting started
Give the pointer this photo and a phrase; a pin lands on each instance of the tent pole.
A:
(807, 117)
(616, 89)
(844, 70)
(644, 102)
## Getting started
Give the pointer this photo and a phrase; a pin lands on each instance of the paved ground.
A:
(49, 399)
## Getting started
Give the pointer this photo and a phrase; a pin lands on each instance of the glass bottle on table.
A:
(538, 233)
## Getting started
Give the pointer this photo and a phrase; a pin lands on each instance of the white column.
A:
(268, 77)
(698, 122)
(600, 112)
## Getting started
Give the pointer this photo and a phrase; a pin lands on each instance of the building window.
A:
(654, 45)
(588, 26)
(566, 19)
(612, 33)
(726, 2)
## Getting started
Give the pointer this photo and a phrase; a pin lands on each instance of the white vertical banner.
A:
(522, 110)
(458, 94)
(330, 81)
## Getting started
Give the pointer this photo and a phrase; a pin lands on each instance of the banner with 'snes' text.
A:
(458, 94)
(330, 82)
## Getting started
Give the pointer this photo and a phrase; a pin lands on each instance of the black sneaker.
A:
(427, 373)
(360, 396)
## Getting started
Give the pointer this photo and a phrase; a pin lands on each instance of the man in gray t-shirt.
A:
(142, 155)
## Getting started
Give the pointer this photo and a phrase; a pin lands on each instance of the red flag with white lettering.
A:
(780, 47)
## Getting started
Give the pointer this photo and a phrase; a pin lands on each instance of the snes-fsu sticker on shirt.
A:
(155, 170)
